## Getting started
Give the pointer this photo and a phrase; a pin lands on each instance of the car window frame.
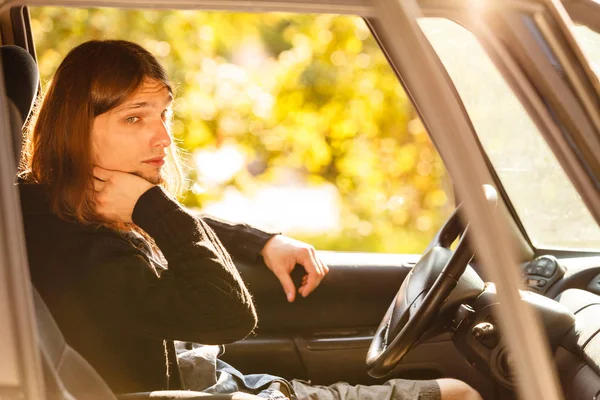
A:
(506, 66)
(525, 247)
(578, 120)
(475, 201)
(431, 8)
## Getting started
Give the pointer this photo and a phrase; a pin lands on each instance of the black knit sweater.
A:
(120, 306)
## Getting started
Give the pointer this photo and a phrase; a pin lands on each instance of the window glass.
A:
(548, 205)
(589, 41)
(293, 123)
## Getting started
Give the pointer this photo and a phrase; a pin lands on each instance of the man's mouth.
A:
(156, 162)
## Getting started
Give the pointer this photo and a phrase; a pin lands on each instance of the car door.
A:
(315, 334)
(324, 338)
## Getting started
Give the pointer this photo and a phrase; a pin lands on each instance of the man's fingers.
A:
(315, 273)
(323, 266)
(311, 284)
(288, 285)
(281, 254)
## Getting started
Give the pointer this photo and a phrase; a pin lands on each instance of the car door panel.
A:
(343, 359)
(325, 336)
(355, 293)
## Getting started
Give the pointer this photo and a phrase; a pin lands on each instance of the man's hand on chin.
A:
(281, 254)
(117, 192)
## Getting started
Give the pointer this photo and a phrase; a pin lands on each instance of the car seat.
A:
(67, 375)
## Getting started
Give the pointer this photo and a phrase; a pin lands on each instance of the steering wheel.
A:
(420, 297)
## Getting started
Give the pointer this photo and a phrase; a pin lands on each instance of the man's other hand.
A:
(281, 254)
(116, 193)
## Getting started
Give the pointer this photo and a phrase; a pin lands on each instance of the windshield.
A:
(545, 200)
(589, 41)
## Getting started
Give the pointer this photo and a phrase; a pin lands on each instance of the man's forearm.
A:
(240, 240)
(201, 278)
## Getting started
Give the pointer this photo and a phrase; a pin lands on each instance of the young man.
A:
(123, 267)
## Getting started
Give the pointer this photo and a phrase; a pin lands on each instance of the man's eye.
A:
(132, 120)
(166, 114)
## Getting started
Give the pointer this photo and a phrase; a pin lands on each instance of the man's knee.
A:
(453, 389)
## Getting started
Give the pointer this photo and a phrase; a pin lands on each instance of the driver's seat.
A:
(67, 375)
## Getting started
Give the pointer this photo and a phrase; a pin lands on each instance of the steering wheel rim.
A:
(415, 305)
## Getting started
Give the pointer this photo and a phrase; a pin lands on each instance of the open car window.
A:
(292, 123)
(544, 198)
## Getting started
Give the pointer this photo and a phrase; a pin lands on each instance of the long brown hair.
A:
(94, 78)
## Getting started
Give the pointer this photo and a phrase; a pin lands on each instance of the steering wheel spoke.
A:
(420, 297)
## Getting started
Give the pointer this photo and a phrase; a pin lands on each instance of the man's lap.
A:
(201, 370)
(394, 389)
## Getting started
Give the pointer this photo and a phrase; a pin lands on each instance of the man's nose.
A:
(162, 136)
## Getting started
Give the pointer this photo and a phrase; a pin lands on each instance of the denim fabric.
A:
(394, 389)
(201, 370)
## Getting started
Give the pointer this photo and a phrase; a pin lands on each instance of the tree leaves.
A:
(312, 95)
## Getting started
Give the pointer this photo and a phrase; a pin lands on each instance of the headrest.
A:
(21, 77)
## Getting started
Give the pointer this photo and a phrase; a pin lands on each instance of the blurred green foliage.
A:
(311, 94)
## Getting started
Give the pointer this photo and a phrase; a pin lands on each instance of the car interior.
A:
(413, 317)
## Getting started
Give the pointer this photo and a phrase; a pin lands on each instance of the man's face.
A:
(134, 136)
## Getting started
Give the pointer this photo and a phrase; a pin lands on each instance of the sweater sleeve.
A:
(240, 240)
(200, 297)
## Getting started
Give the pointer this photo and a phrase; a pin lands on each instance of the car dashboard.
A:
(575, 283)
(550, 276)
